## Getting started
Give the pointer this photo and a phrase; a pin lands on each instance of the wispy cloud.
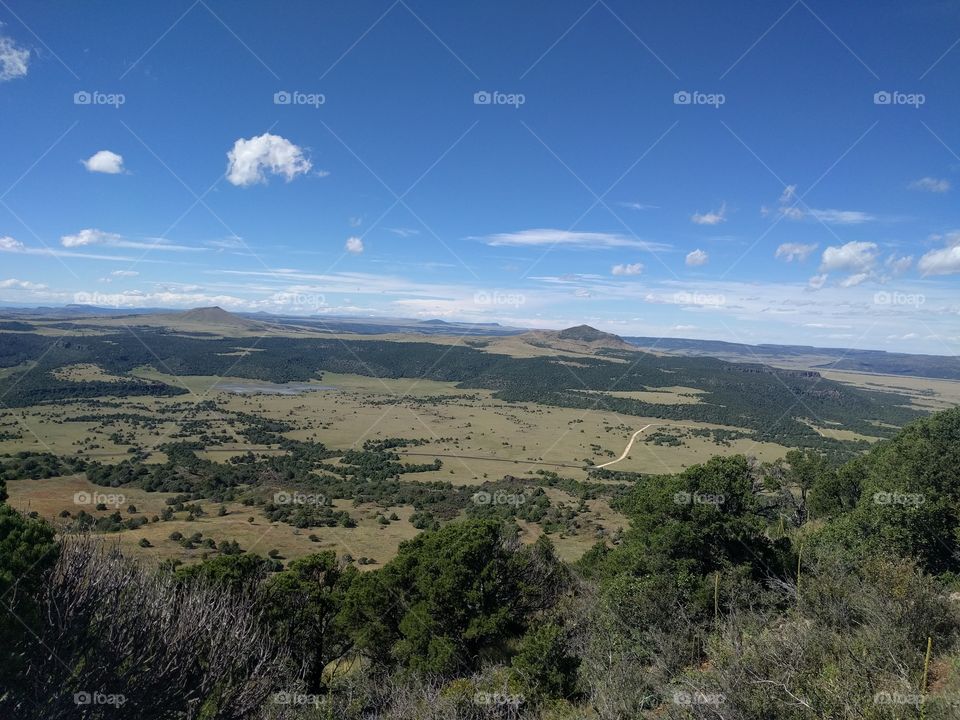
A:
(92, 236)
(404, 232)
(638, 206)
(13, 60)
(697, 257)
(791, 207)
(791, 252)
(567, 238)
(713, 217)
(930, 184)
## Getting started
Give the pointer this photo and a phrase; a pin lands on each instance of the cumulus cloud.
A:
(251, 159)
(929, 184)
(9, 244)
(697, 257)
(714, 217)
(354, 245)
(13, 60)
(104, 161)
(854, 256)
(945, 261)
(627, 269)
(794, 251)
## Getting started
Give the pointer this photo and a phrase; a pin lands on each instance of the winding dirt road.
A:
(629, 445)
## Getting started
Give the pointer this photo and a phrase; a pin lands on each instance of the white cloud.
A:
(125, 273)
(354, 245)
(9, 244)
(854, 280)
(854, 256)
(13, 60)
(104, 161)
(788, 208)
(941, 262)
(714, 217)
(567, 238)
(89, 236)
(794, 251)
(817, 281)
(627, 269)
(899, 265)
(841, 217)
(249, 159)
(22, 284)
(638, 206)
(929, 184)
(404, 232)
(788, 195)
(697, 257)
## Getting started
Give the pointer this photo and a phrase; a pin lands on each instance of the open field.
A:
(445, 438)
(247, 525)
(477, 439)
(928, 393)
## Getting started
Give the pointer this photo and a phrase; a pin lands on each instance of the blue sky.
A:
(689, 169)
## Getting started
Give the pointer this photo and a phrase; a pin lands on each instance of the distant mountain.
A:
(581, 338)
(217, 316)
(873, 361)
(206, 320)
(586, 333)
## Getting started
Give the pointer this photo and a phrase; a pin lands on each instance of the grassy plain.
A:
(477, 438)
